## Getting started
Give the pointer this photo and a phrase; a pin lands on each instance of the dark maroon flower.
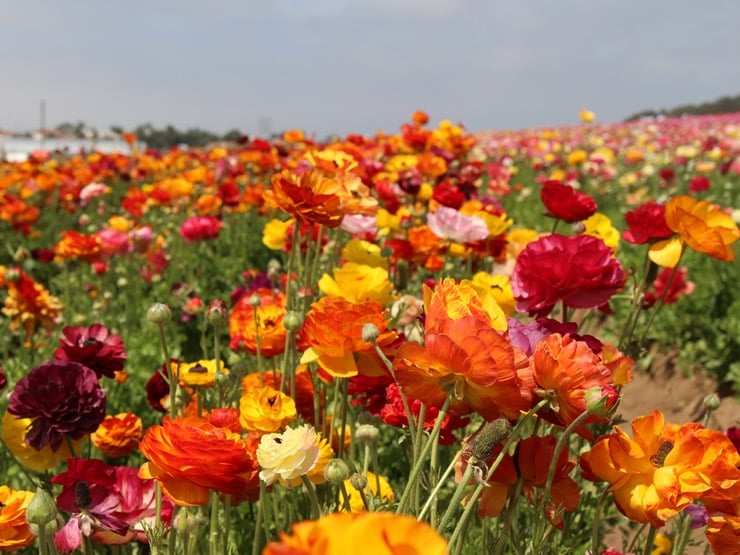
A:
(647, 224)
(733, 432)
(63, 398)
(198, 228)
(579, 271)
(565, 203)
(93, 346)
(157, 389)
(3, 379)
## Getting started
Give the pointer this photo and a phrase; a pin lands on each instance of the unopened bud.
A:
(41, 510)
(336, 471)
(255, 300)
(370, 332)
(358, 481)
(159, 314)
(292, 321)
(216, 312)
(488, 438)
(711, 401)
(367, 433)
(602, 400)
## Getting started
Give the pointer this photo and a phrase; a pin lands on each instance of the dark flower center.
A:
(90, 341)
(659, 458)
(82, 495)
(198, 369)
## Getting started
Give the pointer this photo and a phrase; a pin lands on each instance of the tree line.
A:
(724, 105)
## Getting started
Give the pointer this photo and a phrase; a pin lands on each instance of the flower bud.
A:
(41, 510)
(491, 435)
(370, 332)
(159, 314)
(255, 300)
(336, 471)
(711, 401)
(292, 321)
(358, 481)
(602, 400)
(367, 433)
(216, 312)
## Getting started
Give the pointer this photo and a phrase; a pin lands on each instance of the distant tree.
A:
(724, 105)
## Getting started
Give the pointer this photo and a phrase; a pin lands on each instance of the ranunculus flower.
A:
(62, 398)
(566, 203)
(201, 373)
(699, 183)
(3, 379)
(265, 410)
(668, 287)
(302, 389)
(245, 323)
(93, 346)
(199, 228)
(703, 226)
(332, 332)
(113, 242)
(358, 283)
(646, 224)
(362, 533)
(723, 533)
(14, 433)
(455, 300)
(287, 456)
(15, 534)
(77, 246)
(579, 271)
(448, 223)
(110, 504)
(118, 435)
(190, 456)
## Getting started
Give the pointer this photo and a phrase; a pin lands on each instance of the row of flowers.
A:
(405, 305)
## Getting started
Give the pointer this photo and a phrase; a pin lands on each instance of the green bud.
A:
(159, 314)
(491, 435)
(336, 471)
(370, 332)
(367, 433)
(711, 401)
(255, 300)
(292, 321)
(41, 510)
(358, 481)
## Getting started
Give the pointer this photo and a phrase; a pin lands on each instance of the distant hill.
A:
(724, 105)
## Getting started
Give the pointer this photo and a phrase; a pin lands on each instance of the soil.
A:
(680, 397)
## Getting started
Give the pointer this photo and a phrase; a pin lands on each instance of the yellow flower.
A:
(402, 162)
(274, 234)
(14, 435)
(119, 223)
(599, 225)
(500, 288)
(661, 545)
(331, 160)
(201, 373)
(289, 455)
(578, 156)
(587, 116)
(364, 252)
(265, 409)
(358, 283)
(390, 222)
(518, 238)
(356, 504)
(497, 224)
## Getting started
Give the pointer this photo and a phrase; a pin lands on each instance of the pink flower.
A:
(113, 242)
(198, 228)
(92, 191)
(356, 224)
(93, 346)
(448, 223)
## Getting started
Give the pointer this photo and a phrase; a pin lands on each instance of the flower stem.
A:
(438, 486)
(258, 522)
(311, 490)
(650, 541)
(214, 532)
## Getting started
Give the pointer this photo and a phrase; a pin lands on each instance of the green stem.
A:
(650, 541)
(433, 495)
(214, 531)
(596, 524)
(311, 490)
(258, 523)
(682, 537)
(659, 303)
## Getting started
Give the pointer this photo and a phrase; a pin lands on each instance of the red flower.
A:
(448, 194)
(579, 271)
(63, 398)
(93, 346)
(646, 224)
(198, 228)
(699, 183)
(565, 203)
(672, 279)
(3, 379)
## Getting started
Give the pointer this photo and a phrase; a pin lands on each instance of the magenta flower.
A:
(580, 271)
(93, 346)
(109, 504)
(62, 398)
(448, 223)
(199, 228)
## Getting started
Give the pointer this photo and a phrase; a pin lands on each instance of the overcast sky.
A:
(360, 66)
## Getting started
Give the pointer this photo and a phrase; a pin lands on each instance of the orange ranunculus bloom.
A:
(310, 197)
(366, 533)
(245, 323)
(28, 304)
(332, 332)
(358, 283)
(265, 410)
(453, 300)
(703, 226)
(567, 368)
(77, 246)
(190, 456)
(723, 533)
(471, 360)
(118, 435)
(420, 117)
(15, 533)
(427, 247)
(618, 363)
(663, 468)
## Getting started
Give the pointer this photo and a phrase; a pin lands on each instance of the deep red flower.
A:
(646, 224)
(699, 183)
(565, 203)
(198, 228)
(63, 398)
(157, 389)
(448, 194)
(670, 284)
(580, 271)
(93, 346)
(3, 379)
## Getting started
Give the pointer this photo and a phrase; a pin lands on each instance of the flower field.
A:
(395, 344)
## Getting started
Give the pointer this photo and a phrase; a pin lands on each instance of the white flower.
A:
(289, 455)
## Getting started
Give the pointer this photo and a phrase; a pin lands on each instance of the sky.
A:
(359, 66)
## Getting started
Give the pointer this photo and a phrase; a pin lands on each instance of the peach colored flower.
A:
(289, 455)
